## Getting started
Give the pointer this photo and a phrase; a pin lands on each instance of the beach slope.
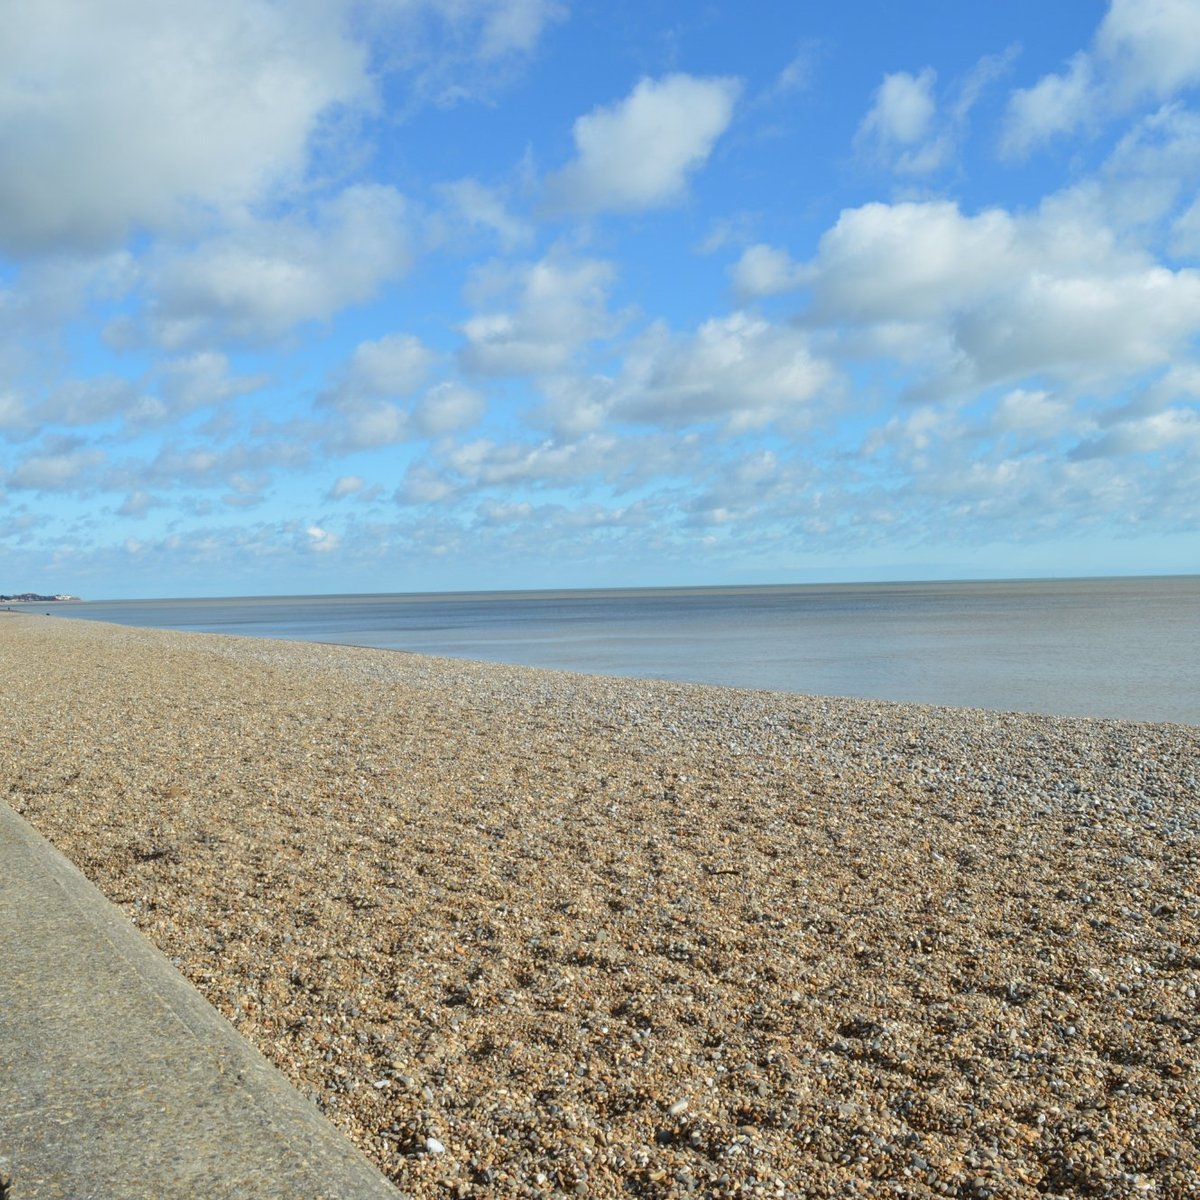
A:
(523, 933)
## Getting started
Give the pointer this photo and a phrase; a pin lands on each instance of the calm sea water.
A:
(1110, 647)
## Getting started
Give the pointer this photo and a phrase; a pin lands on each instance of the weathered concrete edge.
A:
(344, 1171)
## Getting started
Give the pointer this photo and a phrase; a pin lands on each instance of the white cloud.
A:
(55, 472)
(208, 465)
(556, 306)
(481, 206)
(797, 76)
(486, 463)
(394, 365)
(364, 424)
(159, 114)
(494, 512)
(346, 485)
(137, 504)
(1087, 328)
(1176, 429)
(202, 380)
(135, 111)
(910, 260)
(740, 372)
(738, 369)
(448, 408)
(1143, 50)
(514, 26)
(321, 540)
(1186, 231)
(1030, 412)
(1056, 104)
(903, 109)
(638, 153)
(423, 484)
(361, 395)
(101, 398)
(576, 404)
(993, 298)
(765, 271)
(451, 51)
(1150, 46)
(14, 417)
(265, 277)
(908, 131)
(1153, 168)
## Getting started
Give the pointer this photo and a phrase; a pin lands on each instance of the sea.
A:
(1115, 647)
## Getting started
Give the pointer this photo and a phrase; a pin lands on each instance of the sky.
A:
(324, 296)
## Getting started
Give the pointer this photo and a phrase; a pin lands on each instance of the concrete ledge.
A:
(118, 1081)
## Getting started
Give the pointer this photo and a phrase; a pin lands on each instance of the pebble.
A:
(523, 915)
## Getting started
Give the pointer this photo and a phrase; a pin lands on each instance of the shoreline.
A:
(523, 932)
(1108, 649)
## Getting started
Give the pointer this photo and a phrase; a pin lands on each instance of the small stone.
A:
(680, 1106)
(434, 1146)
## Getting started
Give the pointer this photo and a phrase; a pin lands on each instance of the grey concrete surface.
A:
(119, 1081)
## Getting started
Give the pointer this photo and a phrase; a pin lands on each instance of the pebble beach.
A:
(521, 933)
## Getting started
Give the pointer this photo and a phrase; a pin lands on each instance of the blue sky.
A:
(407, 295)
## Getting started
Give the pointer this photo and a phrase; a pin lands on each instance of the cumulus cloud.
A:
(185, 385)
(1022, 411)
(1143, 50)
(363, 395)
(90, 401)
(910, 259)
(902, 111)
(766, 270)
(1186, 232)
(156, 113)
(425, 484)
(394, 365)
(514, 26)
(910, 130)
(202, 380)
(346, 485)
(138, 504)
(1176, 429)
(208, 465)
(536, 315)
(1056, 104)
(1150, 46)
(321, 541)
(366, 424)
(447, 408)
(638, 153)
(488, 463)
(739, 369)
(133, 113)
(1150, 176)
(247, 493)
(459, 51)
(739, 372)
(14, 417)
(55, 472)
(1085, 326)
(264, 277)
(479, 206)
(994, 297)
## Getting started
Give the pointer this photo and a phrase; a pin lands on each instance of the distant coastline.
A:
(34, 598)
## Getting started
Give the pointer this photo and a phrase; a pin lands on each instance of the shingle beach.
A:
(522, 933)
